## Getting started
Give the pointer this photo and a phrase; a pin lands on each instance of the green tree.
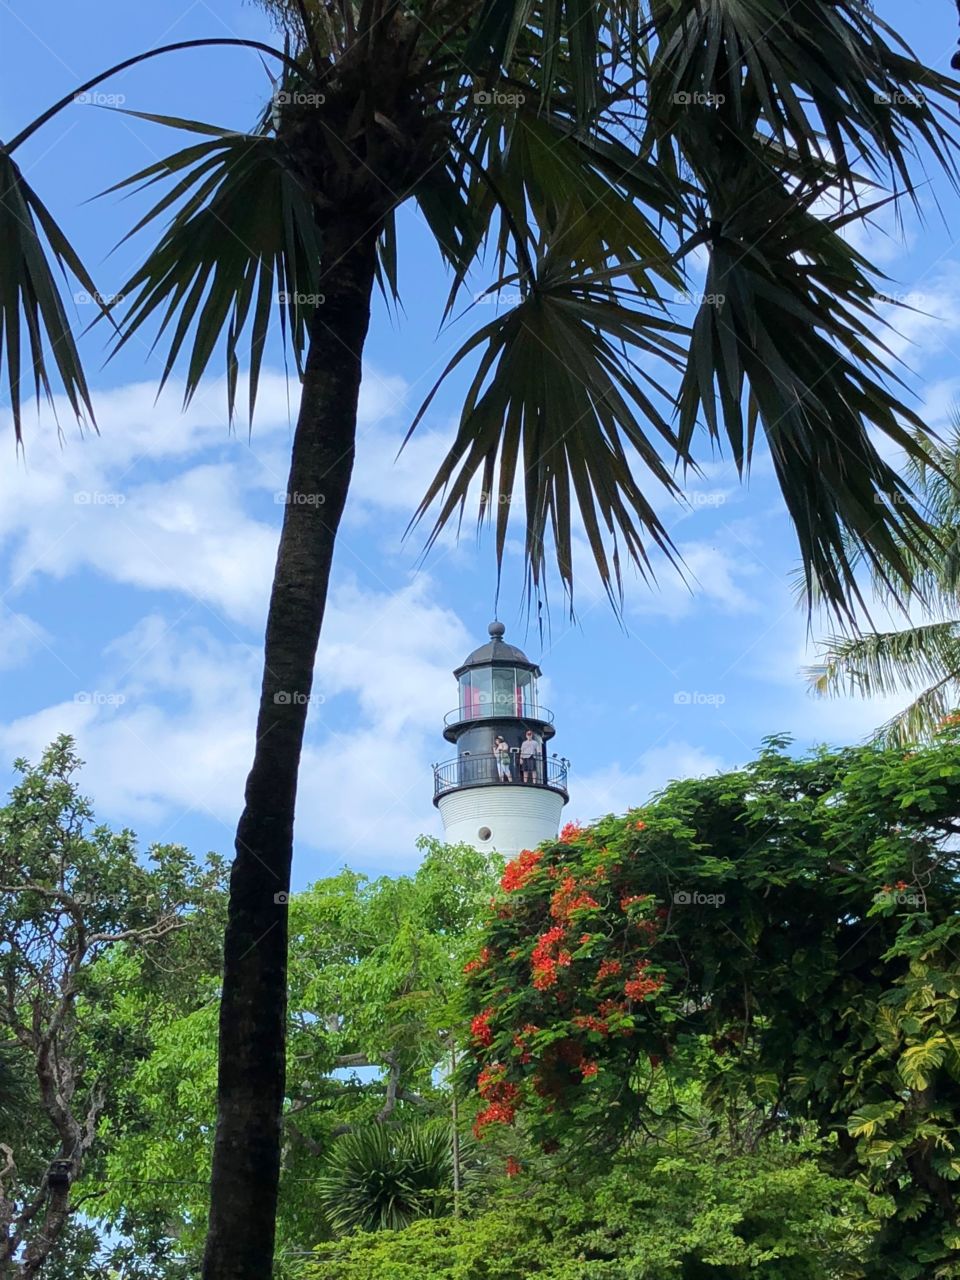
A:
(788, 935)
(75, 903)
(592, 150)
(921, 659)
(376, 972)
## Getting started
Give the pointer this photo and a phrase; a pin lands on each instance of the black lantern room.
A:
(499, 704)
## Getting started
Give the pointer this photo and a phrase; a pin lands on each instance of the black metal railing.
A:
(485, 771)
(502, 708)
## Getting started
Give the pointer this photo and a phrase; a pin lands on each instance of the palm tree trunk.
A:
(250, 1091)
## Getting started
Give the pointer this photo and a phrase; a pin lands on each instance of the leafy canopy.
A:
(787, 934)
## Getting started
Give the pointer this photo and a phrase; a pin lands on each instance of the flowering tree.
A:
(787, 934)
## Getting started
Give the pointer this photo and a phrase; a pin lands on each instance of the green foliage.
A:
(96, 943)
(380, 1178)
(375, 973)
(788, 934)
(679, 1209)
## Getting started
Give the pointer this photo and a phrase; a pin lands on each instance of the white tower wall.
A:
(505, 817)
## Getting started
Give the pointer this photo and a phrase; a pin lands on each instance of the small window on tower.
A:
(484, 833)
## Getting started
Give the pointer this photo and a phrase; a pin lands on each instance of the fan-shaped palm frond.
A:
(826, 77)
(34, 252)
(789, 315)
(382, 1179)
(556, 397)
(878, 665)
(32, 312)
(241, 244)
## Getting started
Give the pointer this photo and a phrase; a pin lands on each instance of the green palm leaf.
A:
(33, 321)
(924, 658)
(827, 77)
(787, 340)
(242, 242)
(554, 401)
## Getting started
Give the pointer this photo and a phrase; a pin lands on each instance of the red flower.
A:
(495, 1113)
(520, 870)
(640, 826)
(513, 1167)
(566, 900)
(482, 959)
(480, 1028)
(627, 902)
(588, 1070)
(493, 1086)
(570, 833)
(589, 1022)
(609, 969)
(547, 957)
(640, 986)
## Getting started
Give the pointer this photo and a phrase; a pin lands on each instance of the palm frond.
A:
(34, 328)
(241, 245)
(891, 662)
(789, 317)
(921, 720)
(556, 401)
(826, 77)
(574, 49)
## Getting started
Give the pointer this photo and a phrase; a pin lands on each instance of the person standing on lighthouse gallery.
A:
(529, 755)
(502, 753)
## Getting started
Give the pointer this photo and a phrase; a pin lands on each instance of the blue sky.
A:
(135, 565)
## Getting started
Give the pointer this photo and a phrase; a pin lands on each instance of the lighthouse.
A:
(504, 789)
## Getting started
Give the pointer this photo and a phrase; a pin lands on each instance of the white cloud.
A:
(617, 788)
(169, 731)
(925, 326)
(20, 637)
(106, 503)
(717, 578)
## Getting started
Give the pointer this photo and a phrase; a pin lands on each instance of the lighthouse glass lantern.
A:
(504, 789)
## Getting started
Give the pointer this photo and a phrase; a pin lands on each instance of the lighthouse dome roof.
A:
(496, 650)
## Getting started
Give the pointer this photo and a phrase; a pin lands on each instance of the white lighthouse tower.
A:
(486, 798)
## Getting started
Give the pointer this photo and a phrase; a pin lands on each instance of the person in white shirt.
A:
(529, 757)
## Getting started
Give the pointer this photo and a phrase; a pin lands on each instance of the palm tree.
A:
(923, 659)
(593, 155)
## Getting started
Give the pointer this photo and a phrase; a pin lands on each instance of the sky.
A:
(135, 563)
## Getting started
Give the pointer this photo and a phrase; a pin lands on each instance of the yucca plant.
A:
(382, 1178)
(589, 158)
(921, 659)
